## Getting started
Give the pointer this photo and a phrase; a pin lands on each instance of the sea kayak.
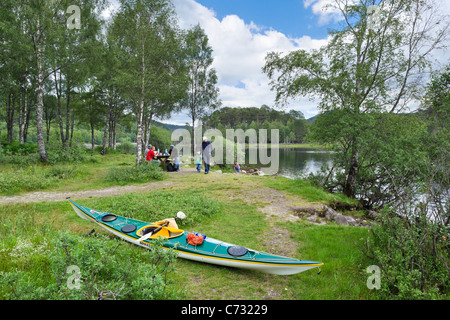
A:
(210, 250)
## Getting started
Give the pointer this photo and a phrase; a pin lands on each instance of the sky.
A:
(242, 32)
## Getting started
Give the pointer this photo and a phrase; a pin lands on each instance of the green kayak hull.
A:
(210, 251)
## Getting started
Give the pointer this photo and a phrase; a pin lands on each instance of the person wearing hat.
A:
(175, 157)
(207, 150)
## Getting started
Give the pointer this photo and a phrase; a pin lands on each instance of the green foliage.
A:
(107, 270)
(24, 180)
(291, 125)
(361, 76)
(126, 147)
(160, 137)
(141, 173)
(16, 148)
(413, 254)
(58, 154)
(307, 190)
(390, 150)
(34, 178)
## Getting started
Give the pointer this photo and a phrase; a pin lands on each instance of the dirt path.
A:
(49, 196)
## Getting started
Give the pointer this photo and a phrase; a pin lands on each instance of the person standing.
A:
(206, 150)
(198, 162)
(174, 154)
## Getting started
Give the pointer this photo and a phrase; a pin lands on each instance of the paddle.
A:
(180, 215)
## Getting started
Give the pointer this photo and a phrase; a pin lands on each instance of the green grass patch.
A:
(306, 190)
(93, 172)
(30, 234)
(343, 275)
(216, 205)
(145, 172)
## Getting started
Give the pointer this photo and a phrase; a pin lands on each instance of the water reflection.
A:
(296, 161)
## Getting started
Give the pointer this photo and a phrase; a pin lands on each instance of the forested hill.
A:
(292, 125)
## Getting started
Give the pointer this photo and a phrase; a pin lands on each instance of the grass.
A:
(343, 275)
(93, 173)
(306, 190)
(218, 206)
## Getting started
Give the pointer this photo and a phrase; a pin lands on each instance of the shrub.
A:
(90, 268)
(126, 148)
(58, 154)
(144, 172)
(24, 180)
(19, 148)
(19, 160)
(413, 255)
(61, 172)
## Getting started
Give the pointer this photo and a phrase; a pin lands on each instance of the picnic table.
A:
(162, 157)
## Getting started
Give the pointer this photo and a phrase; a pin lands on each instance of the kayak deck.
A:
(210, 251)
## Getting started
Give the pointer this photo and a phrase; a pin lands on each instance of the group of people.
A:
(152, 155)
(205, 155)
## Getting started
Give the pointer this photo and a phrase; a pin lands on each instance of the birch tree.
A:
(143, 30)
(374, 63)
(202, 92)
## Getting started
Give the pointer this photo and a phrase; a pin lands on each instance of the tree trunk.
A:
(58, 98)
(10, 117)
(67, 110)
(193, 135)
(25, 116)
(40, 47)
(105, 134)
(140, 114)
(47, 125)
(21, 112)
(27, 123)
(350, 183)
(72, 122)
(147, 131)
(92, 136)
(139, 131)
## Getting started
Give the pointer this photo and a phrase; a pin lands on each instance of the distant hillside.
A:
(312, 119)
(170, 127)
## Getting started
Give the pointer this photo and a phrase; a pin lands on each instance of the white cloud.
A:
(326, 10)
(239, 51)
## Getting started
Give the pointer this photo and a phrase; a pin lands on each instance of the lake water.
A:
(296, 161)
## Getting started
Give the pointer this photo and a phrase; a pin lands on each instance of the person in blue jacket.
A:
(206, 151)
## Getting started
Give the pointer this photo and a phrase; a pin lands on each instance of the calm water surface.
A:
(296, 161)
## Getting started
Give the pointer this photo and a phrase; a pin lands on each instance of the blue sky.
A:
(287, 16)
(243, 32)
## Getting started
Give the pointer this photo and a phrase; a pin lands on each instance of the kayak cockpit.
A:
(165, 232)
